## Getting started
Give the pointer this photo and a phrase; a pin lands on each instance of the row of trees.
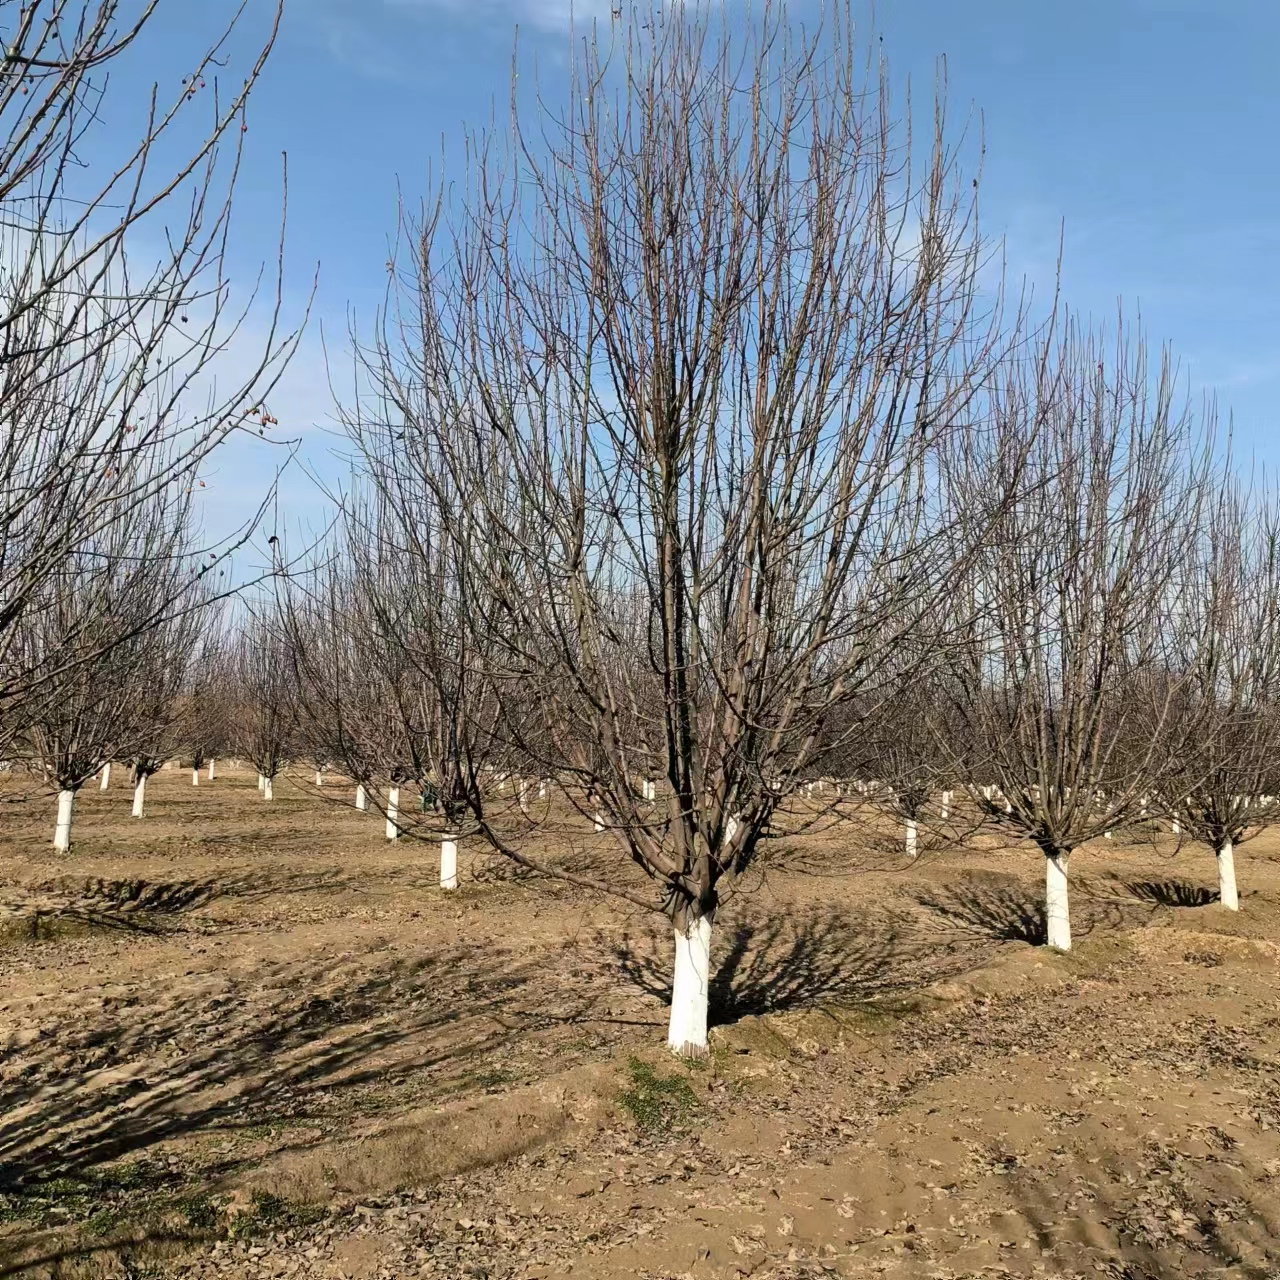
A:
(700, 458)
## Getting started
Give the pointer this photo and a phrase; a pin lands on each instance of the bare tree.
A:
(205, 709)
(266, 713)
(91, 624)
(679, 371)
(389, 682)
(1068, 607)
(1222, 737)
(160, 707)
(108, 350)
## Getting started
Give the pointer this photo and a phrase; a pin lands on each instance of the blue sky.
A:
(1147, 130)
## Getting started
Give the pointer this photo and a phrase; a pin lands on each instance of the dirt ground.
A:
(247, 1039)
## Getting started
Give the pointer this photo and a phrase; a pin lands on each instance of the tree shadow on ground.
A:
(150, 906)
(289, 1044)
(1170, 893)
(1004, 910)
(799, 961)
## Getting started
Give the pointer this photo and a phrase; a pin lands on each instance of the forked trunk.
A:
(687, 1033)
(139, 795)
(393, 814)
(106, 777)
(1057, 915)
(1227, 876)
(62, 832)
(448, 861)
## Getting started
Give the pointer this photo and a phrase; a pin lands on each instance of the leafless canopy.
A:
(677, 369)
(1061, 693)
(108, 344)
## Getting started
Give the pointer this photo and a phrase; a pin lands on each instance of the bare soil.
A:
(247, 1039)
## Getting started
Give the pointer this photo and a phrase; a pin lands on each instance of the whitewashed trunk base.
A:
(210, 770)
(448, 861)
(195, 777)
(139, 796)
(106, 777)
(687, 1032)
(1227, 877)
(1057, 914)
(393, 813)
(362, 798)
(62, 832)
(911, 834)
(268, 789)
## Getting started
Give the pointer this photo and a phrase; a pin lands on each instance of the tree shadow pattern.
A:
(292, 1044)
(1170, 893)
(801, 960)
(1006, 909)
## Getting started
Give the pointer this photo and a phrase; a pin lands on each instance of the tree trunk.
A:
(448, 861)
(946, 805)
(599, 821)
(393, 812)
(1057, 916)
(268, 791)
(1227, 876)
(106, 776)
(687, 1033)
(362, 797)
(139, 796)
(210, 770)
(62, 832)
(262, 782)
(195, 777)
(911, 837)
(319, 778)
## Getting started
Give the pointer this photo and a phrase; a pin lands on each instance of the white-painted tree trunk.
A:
(106, 777)
(211, 770)
(448, 861)
(195, 777)
(262, 782)
(946, 805)
(1057, 914)
(139, 796)
(362, 798)
(911, 837)
(1227, 877)
(599, 821)
(319, 778)
(393, 813)
(1177, 827)
(687, 1031)
(542, 790)
(268, 790)
(62, 832)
